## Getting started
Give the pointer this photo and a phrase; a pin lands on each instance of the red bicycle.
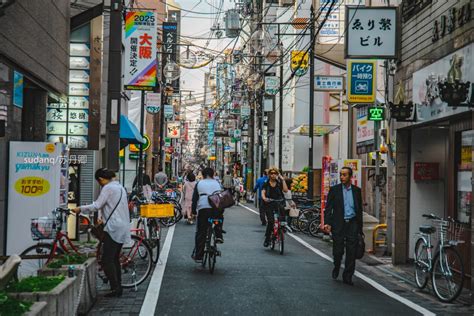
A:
(279, 227)
(135, 258)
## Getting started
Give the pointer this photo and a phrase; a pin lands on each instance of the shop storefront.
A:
(434, 155)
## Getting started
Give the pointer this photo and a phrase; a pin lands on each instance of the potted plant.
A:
(85, 269)
(12, 306)
(57, 292)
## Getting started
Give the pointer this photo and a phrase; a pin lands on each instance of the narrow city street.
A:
(252, 280)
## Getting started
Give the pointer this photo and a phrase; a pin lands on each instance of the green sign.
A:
(376, 113)
(135, 156)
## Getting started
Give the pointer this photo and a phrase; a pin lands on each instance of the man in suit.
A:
(343, 217)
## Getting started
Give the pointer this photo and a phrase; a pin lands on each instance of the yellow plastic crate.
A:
(157, 210)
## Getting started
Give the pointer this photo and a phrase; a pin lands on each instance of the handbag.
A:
(294, 212)
(360, 250)
(221, 199)
(98, 230)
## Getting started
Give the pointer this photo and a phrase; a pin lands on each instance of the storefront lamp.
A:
(399, 110)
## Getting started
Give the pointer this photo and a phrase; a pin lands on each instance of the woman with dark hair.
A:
(113, 206)
(204, 211)
(188, 190)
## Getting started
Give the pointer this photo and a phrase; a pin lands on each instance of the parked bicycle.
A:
(135, 258)
(444, 265)
(150, 227)
(210, 248)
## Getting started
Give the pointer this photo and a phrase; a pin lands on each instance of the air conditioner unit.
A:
(286, 3)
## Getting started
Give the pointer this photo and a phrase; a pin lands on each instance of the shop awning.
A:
(129, 133)
(319, 129)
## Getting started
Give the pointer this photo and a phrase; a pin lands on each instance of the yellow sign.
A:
(50, 148)
(212, 158)
(135, 148)
(299, 62)
(32, 186)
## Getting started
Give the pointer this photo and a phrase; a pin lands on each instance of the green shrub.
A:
(35, 284)
(67, 260)
(12, 307)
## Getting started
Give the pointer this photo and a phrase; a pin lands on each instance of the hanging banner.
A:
(299, 62)
(170, 48)
(173, 129)
(140, 50)
(153, 102)
(272, 85)
(169, 111)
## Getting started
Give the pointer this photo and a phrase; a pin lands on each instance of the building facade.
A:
(33, 73)
(433, 167)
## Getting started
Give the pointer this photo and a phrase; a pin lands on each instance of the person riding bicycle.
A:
(204, 211)
(273, 189)
(112, 202)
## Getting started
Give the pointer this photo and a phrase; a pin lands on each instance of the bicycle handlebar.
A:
(63, 210)
(431, 216)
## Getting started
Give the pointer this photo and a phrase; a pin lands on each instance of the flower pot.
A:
(38, 309)
(60, 300)
(86, 274)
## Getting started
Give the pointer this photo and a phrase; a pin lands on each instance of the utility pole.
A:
(311, 107)
(114, 87)
(140, 158)
(280, 99)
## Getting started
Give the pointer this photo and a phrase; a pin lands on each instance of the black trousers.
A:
(347, 238)
(262, 212)
(111, 262)
(202, 227)
(271, 219)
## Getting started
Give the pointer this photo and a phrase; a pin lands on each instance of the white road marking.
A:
(153, 291)
(373, 283)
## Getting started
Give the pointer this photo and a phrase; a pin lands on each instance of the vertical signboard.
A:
(170, 40)
(361, 81)
(365, 132)
(140, 50)
(17, 89)
(37, 184)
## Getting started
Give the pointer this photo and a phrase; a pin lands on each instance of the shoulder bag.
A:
(360, 250)
(220, 200)
(98, 230)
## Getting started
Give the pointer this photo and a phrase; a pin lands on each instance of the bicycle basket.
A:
(157, 210)
(43, 228)
(455, 230)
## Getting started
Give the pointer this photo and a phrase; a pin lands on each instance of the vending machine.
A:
(37, 184)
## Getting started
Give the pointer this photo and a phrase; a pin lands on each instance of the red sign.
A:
(426, 171)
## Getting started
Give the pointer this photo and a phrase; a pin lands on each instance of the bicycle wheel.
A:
(314, 227)
(212, 252)
(295, 224)
(136, 262)
(448, 274)
(281, 237)
(421, 263)
(154, 231)
(30, 266)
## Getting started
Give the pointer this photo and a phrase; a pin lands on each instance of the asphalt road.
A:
(252, 280)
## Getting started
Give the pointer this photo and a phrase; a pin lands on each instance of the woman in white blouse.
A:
(112, 202)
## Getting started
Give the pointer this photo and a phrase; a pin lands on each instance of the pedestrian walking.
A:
(343, 218)
(113, 206)
(228, 182)
(161, 180)
(204, 211)
(146, 185)
(258, 189)
(273, 189)
(188, 190)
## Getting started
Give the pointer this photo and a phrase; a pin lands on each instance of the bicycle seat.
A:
(426, 229)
